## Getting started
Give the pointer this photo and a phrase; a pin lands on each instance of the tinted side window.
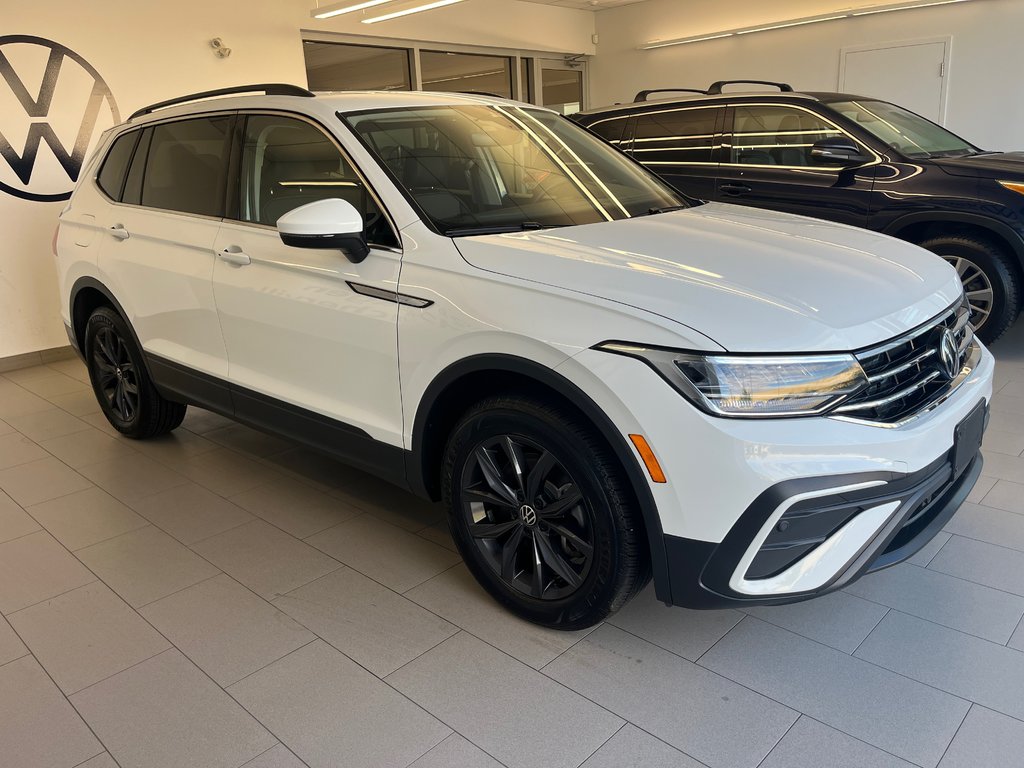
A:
(187, 166)
(115, 165)
(610, 129)
(674, 137)
(777, 135)
(133, 184)
(287, 163)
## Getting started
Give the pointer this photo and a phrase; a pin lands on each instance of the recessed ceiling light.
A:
(410, 10)
(337, 9)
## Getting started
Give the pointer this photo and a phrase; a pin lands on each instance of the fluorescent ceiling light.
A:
(336, 9)
(410, 10)
(906, 5)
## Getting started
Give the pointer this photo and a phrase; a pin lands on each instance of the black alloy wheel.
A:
(116, 376)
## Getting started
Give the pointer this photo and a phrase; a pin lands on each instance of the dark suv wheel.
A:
(542, 513)
(125, 394)
(989, 278)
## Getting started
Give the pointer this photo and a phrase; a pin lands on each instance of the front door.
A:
(767, 164)
(680, 144)
(299, 325)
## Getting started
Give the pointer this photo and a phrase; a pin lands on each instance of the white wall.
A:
(985, 90)
(148, 51)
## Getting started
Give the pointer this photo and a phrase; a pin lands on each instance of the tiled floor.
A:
(221, 598)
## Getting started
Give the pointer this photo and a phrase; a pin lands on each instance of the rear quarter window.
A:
(115, 165)
(186, 167)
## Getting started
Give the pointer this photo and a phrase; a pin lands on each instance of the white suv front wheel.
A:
(542, 513)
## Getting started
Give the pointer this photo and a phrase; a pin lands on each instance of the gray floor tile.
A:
(687, 706)
(5, 428)
(38, 727)
(314, 469)
(225, 629)
(252, 442)
(987, 739)
(100, 761)
(132, 479)
(869, 703)
(840, 620)
(1017, 639)
(457, 596)
(88, 447)
(983, 486)
(265, 559)
(40, 481)
(165, 713)
(1006, 495)
(54, 383)
(384, 552)
(226, 472)
(85, 518)
(175, 448)
(965, 666)
(15, 402)
(145, 565)
(996, 526)
(1004, 441)
(295, 508)
(385, 501)
(456, 752)
(925, 555)
(45, 425)
(983, 563)
(80, 404)
(810, 743)
(463, 677)
(191, 513)
(86, 635)
(276, 757)
(378, 628)
(14, 521)
(199, 421)
(946, 600)
(72, 367)
(17, 449)
(633, 748)
(684, 632)
(300, 698)
(439, 534)
(1003, 467)
(11, 647)
(34, 568)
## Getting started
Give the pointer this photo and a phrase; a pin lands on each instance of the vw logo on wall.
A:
(53, 104)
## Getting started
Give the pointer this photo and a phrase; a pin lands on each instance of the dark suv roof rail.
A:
(642, 95)
(270, 89)
(716, 88)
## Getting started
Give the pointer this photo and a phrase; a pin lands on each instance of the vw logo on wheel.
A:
(949, 354)
(73, 101)
(528, 514)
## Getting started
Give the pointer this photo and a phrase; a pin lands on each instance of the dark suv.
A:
(850, 159)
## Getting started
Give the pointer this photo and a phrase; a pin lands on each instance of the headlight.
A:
(750, 386)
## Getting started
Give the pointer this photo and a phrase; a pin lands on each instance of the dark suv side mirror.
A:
(837, 151)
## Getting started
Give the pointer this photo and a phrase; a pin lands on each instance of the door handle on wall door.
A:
(234, 256)
(119, 232)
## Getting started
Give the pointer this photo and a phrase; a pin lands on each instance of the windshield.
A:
(907, 133)
(474, 169)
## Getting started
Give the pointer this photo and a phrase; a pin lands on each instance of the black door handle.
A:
(734, 189)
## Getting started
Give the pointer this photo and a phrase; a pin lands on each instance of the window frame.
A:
(717, 139)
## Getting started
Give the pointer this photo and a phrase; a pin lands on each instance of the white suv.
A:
(482, 302)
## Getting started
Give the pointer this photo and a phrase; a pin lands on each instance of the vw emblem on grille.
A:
(949, 354)
(528, 515)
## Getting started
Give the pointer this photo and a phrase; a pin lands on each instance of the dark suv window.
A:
(611, 130)
(777, 135)
(186, 166)
(674, 137)
(115, 166)
(287, 163)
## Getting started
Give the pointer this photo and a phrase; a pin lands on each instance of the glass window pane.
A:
(909, 133)
(187, 166)
(526, 80)
(674, 137)
(111, 177)
(563, 90)
(466, 73)
(611, 129)
(287, 163)
(344, 67)
(133, 184)
(768, 135)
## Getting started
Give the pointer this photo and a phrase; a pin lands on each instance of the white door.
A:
(911, 74)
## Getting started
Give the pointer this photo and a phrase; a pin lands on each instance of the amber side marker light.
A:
(650, 461)
(1013, 186)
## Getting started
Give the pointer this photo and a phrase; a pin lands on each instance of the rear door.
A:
(766, 163)
(680, 144)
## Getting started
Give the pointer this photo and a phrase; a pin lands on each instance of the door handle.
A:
(234, 256)
(119, 232)
(734, 189)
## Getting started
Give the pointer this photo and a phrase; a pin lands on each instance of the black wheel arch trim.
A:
(624, 452)
(83, 283)
(1004, 231)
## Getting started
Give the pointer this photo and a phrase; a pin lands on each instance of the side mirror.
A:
(837, 151)
(329, 223)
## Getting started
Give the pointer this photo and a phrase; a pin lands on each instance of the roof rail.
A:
(716, 88)
(642, 95)
(270, 89)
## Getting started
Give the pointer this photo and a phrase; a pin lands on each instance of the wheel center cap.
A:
(118, 373)
(528, 515)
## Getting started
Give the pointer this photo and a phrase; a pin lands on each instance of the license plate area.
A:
(967, 438)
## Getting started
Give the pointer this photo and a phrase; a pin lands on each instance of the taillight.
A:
(56, 232)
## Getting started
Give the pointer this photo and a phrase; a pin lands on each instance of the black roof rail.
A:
(716, 88)
(270, 89)
(642, 95)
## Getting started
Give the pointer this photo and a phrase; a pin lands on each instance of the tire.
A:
(570, 505)
(990, 280)
(121, 383)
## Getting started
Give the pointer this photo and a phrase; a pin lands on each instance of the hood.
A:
(751, 280)
(1007, 166)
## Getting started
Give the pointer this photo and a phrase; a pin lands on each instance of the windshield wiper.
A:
(667, 209)
(495, 229)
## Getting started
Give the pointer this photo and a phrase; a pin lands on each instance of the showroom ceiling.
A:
(587, 5)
